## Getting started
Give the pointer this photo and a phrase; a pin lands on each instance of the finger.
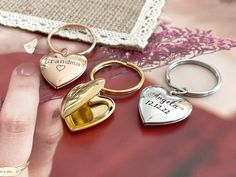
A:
(72, 46)
(48, 133)
(18, 116)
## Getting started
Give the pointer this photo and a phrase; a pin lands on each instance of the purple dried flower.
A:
(169, 44)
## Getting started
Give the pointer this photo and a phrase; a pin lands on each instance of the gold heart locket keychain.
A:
(60, 67)
(85, 105)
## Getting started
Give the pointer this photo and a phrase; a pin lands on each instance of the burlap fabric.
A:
(115, 22)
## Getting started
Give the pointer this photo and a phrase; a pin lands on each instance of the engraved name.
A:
(57, 61)
(162, 100)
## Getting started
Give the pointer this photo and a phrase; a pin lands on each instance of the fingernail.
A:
(26, 69)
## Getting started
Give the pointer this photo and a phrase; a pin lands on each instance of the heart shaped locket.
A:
(60, 68)
(158, 106)
(84, 107)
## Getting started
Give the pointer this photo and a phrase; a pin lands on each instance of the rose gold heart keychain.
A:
(59, 67)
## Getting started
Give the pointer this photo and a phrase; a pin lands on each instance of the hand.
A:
(28, 131)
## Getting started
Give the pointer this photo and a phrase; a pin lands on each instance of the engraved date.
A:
(158, 106)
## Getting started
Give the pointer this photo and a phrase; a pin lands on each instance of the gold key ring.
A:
(126, 64)
(64, 51)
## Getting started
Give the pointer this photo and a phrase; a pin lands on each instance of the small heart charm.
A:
(158, 107)
(60, 67)
(84, 107)
(60, 71)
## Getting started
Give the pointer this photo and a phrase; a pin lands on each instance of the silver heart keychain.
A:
(158, 106)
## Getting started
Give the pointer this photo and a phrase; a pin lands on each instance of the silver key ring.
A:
(184, 91)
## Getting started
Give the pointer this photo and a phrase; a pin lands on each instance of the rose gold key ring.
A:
(64, 51)
(60, 67)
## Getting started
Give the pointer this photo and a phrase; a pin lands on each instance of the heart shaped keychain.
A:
(158, 106)
(85, 105)
(60, 68)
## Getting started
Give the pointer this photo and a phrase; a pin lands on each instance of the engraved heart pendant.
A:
(61, 70)
(158, 107)
(84, 106)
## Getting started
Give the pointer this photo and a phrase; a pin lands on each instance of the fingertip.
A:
(26, 69)
(25, 75)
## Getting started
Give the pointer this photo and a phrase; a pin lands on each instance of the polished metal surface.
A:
(84, 107)
(158, 107)
(60, 70)
(125, 64)
(212, 69)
